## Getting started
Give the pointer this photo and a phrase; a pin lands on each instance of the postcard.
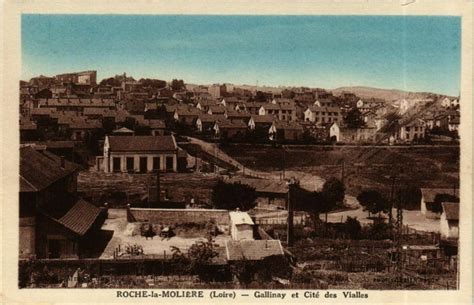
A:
(219, 151)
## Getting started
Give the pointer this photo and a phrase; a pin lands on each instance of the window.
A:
(169, 164)
(407, 129)
(156, 163)
(130, 164)
(143, 164)
(116, 164)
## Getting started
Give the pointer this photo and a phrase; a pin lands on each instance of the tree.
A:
(334, 191)
(231, 196)
(311, 202)
(353, 227)
(200, 255)
(177, 85)
(354, 118)
(373, 202)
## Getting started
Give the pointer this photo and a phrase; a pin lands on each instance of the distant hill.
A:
(386, 94)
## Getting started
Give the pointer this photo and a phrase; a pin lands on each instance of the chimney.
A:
(63, 162)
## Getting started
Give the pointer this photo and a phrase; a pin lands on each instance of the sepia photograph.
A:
(263, 152)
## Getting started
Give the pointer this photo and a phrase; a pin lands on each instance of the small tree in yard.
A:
(307, 201)
(373, 202)
(201, 254)
(353, 227)
(332, 194)
(231, 196)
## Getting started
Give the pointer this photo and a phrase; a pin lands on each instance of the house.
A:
(241, 226)
(82, 130)
(445, 102)
(216, 109)
(260, 121)
(412, 131)
(449, 220)
(141, 154)
(271, 194)
(232, 102)
(53, 222)
(323, 115)
(157, 127)
(403, 106)
(281, 111)
(205, 122)
(204, 105)
(28, 130)
(186, 115)
(324, 102)
(230, 129)
(235, 115)
(253, 107)
(285, 131)
(428, 207)
(357, 135)
(453, 125)
(360, 103)
(334, 132)
(253, 250)
(124, 131)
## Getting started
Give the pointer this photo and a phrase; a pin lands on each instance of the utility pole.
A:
(284, 161)
(342, 171)
(289, 231)
(392, 190)
(158, 187)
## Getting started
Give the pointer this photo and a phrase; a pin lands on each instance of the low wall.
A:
(178, 216)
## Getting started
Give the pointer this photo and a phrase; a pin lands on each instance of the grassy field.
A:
(364, 166)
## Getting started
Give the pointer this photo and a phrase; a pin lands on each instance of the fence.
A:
(297, 220)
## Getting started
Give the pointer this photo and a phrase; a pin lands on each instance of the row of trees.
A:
(231, 196)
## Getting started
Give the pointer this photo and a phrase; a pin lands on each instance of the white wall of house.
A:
(334, 131)
(448, 229)
(28, 237)
(136, 161)
(241, 232)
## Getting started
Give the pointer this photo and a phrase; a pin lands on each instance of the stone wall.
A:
(178, 216)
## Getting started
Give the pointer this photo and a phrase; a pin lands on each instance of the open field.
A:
(102, 187)
(363, 166)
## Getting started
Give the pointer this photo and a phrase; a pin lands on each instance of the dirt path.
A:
(307, 180)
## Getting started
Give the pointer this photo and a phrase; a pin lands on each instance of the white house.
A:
(241, 226)
(455, 103)
(140, 154)
(404, 105)
(449, 220)
(335, 132)
(428, 207)
(360, 103)
(446, 102)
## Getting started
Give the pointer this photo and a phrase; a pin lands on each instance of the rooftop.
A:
(141, 143)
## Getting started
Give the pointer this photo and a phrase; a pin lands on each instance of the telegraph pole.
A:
(289, 231)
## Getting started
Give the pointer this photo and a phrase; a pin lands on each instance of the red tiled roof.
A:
(451, 209)
(253, 249)
(80, 218)
(141, 143)
(429, 194)
(38, 170)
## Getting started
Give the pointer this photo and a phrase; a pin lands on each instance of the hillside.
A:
(386, 94)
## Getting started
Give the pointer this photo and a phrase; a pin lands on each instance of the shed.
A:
(241, 226)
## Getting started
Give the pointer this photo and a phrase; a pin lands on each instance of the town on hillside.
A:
(147, 183)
